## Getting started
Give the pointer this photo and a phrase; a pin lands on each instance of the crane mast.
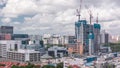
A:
(97, 19)
(79, 10)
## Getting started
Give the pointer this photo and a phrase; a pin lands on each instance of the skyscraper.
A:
(104, 37)
(97, 28)
(6, 32)
(81, 33)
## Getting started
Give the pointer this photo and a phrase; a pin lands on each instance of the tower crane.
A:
(90, 14)
(97, 18)
(79, 10)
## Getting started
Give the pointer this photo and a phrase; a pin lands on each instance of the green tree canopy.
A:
(48, 66)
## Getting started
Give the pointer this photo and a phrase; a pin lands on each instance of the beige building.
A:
(75, 48)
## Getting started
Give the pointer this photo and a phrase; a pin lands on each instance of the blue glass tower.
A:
(82, 32)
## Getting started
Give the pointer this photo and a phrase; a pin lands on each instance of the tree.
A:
(48, 66)
(28, 66)
(14, 66)
(59, 65)
(69, 67)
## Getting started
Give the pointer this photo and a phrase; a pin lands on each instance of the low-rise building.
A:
(75, 48)
(56, 51)
(24, 55)
(6, 45)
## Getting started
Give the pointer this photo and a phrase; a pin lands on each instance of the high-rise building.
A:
(71, 39)
(64, 40)
(20, 36)
(35, 37)
(82, 31)
(104, 37)
(5, 37)
(6, 32)
(96, 30)
(6, 29)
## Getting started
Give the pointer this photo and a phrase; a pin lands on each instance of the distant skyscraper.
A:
(6, 32)
(71, 39)
(20, 36)
(104, 37)
(6, 29)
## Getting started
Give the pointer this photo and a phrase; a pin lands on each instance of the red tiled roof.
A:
(10, 64)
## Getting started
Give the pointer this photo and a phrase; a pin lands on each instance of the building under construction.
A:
(83, 36)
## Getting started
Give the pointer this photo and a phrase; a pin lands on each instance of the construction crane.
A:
(79, 43)
(91, 35)
(90, 14)
(79, 10)
(97, 18)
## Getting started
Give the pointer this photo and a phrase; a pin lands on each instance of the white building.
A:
(14, 50)
(55, 39)
(35, 37)
(24, 55)
(6, 45)
(46, 38)
(64, 40)
(73, 61)
(104, 37)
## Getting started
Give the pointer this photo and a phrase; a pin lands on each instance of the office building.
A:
(55, 39)
(6, 29)
(46, 39)
(6, 32)
(56, 51)
(35, 37)
(15, 50)
(36, 47)
(104, 37)
(23, 55)
(30, 52)
(20, 36)
(63, 40)
(5, 37)
(6, 45)
(75, 48)
(71, 39)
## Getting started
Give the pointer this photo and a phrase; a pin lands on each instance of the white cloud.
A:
(15, 8)
(2, 2)
(57, 16)
(6, 20)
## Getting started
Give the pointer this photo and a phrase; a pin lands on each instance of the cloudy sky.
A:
(57, 16)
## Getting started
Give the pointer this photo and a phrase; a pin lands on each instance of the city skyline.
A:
(57, 16)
